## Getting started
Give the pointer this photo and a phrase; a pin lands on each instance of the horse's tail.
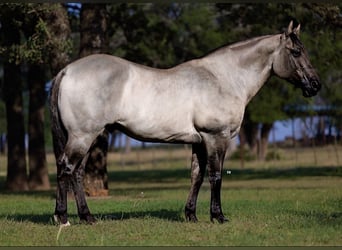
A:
(59, 133)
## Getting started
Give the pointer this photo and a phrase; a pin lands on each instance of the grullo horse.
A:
(200, 102)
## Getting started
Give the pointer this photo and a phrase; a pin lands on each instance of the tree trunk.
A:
(93, 29)
(2, 144)
(59, 27)
(16, 165)
(265, 132)
(38, 172)
(94, 39)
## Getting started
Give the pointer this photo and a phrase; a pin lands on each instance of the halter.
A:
(298, 43)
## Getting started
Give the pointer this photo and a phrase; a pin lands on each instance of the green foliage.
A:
(163, 35)
(37, 41)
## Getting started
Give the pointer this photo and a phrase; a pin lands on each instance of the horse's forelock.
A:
(294, 38)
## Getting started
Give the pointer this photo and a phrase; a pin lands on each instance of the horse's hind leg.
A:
(70, 172)
(60, 215)
(198, 166)
(77, 186)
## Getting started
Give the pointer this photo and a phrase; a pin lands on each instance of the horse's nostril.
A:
(315, 84)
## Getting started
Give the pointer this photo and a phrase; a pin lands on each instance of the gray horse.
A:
(200, 102)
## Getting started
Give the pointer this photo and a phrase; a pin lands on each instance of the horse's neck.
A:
(246, 65)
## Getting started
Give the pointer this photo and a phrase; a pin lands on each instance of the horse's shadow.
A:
(170, 215)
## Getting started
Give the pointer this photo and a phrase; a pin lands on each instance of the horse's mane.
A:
(251, 41)
(237, 45)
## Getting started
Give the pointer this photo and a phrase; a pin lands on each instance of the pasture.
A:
(294, 201)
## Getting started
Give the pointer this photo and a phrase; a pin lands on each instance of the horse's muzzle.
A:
(311, 88)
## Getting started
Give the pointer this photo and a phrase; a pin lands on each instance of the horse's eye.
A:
(296, 52)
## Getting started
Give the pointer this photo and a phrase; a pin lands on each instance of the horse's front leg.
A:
(216, 148)
(77, 186)
(198, 165)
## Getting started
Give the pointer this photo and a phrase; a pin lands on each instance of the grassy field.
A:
(294, 201)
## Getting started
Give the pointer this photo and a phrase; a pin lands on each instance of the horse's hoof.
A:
(88, 219)
(219, 217)
(67, 224)
(190, 215)
(191, 218)
(61, 220)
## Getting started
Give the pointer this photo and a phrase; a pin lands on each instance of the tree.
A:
(93, 29)
(326, 43)
(38, 172)
(266, 108)
(165, 34)
(59, 32)
(16, 163)
(32, 47)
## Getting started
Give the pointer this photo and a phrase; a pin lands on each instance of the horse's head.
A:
(292, 63)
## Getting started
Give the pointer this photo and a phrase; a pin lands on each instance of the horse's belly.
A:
(160, 133)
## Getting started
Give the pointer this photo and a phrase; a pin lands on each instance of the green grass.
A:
(283, 205)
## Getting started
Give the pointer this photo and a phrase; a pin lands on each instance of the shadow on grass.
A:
(183, 175)
(172, 175)
(319, 217)
(289, 173)
(34, 218)
(171, 215)
(43, 194)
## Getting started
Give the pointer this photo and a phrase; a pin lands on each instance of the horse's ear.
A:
(290, 28)
(297, 30)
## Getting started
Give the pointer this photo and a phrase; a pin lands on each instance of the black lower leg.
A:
(198, 164)
(61, 200)
(215, 180)
(82, 206)
(190, 211)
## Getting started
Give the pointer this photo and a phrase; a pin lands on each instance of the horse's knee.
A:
(215, 177)
(66, 164)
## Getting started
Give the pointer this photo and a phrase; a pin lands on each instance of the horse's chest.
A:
(220, 119)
